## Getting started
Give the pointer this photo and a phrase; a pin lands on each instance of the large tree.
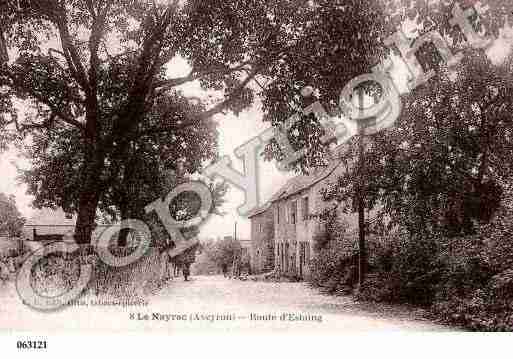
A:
(138, 178)
(99, 67)
(347, 39)
(340, 40)
(334, 42)
(440, 167)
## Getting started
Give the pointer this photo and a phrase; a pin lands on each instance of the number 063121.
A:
(31, 344)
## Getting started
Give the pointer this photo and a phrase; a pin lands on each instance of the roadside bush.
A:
(55, 274)
(484, 309)
(133, 281)
(403, 270)
(465, 281)
(376, 288)
(477, 291)
(416, 271)
(333, 266)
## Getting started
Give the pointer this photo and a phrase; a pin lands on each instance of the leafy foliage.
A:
(332, 267)
(93, 74)
(465, 281)
(11, 221)
(217, 255)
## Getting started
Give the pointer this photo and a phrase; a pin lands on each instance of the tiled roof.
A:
(302, 182)
(259, 210)
(50, 217)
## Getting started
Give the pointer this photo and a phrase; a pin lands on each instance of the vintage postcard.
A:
(286, 166)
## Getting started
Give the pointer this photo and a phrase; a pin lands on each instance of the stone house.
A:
(294, 211)
(262, 239)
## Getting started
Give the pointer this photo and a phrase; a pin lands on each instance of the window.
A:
(286, 213)
(304, 208)
(278, 214)
(260, 227)
(293, 212)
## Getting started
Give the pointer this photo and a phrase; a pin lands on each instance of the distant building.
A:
(48, 224)
(262, 239)
(54, 225)
(242, 259)
(245, 245)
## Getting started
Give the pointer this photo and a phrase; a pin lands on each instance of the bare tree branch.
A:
(21, 128)
(90, 7)
(56, 13)
(72, 56)
(232, 96)
(146, 69)
(52, 50)
(193, 75)
(97, 32)
(201, 117)
(53, 108)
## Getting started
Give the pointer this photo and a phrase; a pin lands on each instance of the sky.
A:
(234, 131)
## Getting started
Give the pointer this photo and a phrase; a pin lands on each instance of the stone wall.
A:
(262, 242)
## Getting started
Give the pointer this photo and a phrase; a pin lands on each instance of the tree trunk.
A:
(362, 256)
(88, 203)
(89, 195)
(123, 234)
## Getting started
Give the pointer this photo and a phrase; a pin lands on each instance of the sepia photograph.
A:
(258, 167)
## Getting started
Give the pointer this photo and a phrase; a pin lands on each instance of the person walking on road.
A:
(186, 271)
(4, 270)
